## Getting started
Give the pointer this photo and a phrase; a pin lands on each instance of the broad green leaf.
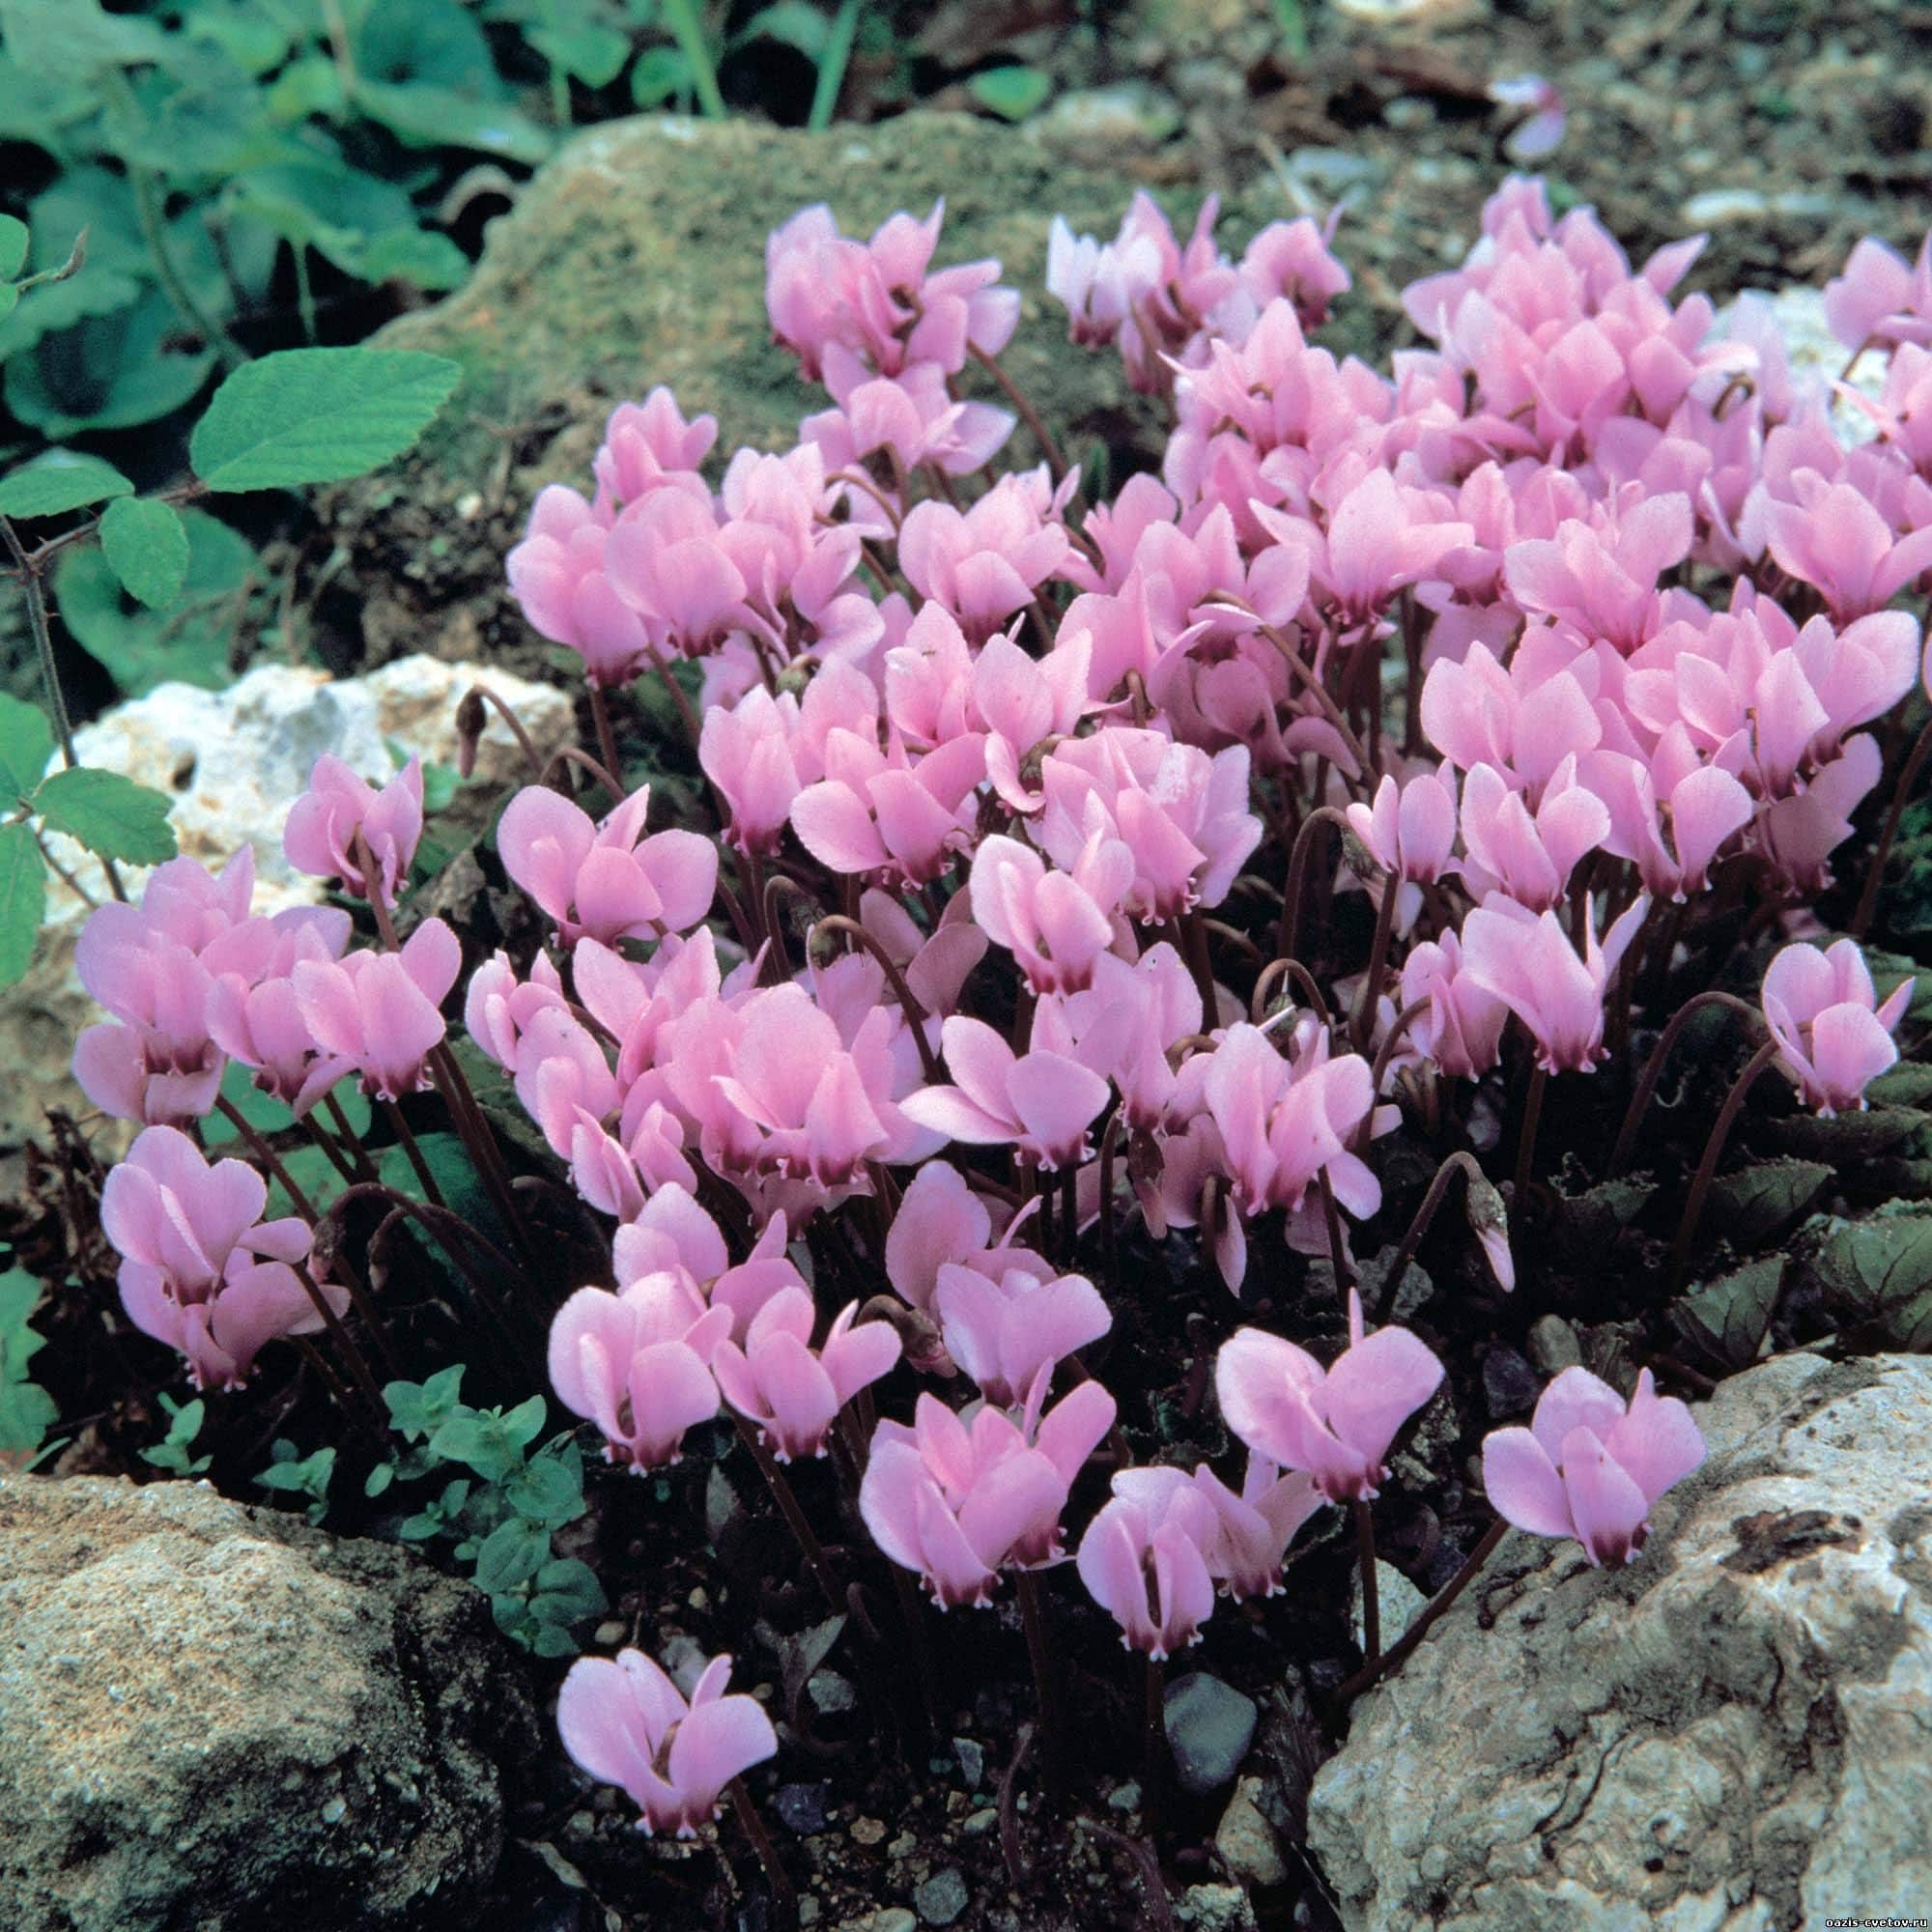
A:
(23, 900)
(1881, 1271)
(108, 372)
(423, 43)
(13, 246)
(422, 257)
(315, 415)
(26, 744)
(38, 107)
(74, 39)
(592, 54)
(1012, 92)
(512, 1554)
(59, 480)
(146, 545)
(1728, 1317)
(1760, 1202)
(250, 36)
(420, 1409)
(9, 300)
(189, 643)
(110, 814)
(118, 265)
(312, 85)
(792, 23)
(433, 117)
(660, 72)
(268, 1116)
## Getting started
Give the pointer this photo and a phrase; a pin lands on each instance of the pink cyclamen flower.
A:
(638, 1364)
(200, 1270)
(606, 880)
(1002, 1329)
(1144, 1559)
(985, 563)
(625, 1722)
(1056, 924)
(325, 820)
(960, 1499)
(792, 1391)
(261, 1025)
(1041, 1102)
(1285, 1123)
(381, 1012)
(1254, 1529)
(1410, 832)
(1588, 1467)
(557, 574)
(1526, 960)
(1334, 1424)
(1462, 1030)
(1833, 1036)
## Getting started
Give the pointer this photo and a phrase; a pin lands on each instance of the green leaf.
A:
(58, 480)
(592, 54)
(184, 1421)
(110, 814)
(549, 1491)
(142, 648)
(1881, 1271)
(1728, 1318)
(13, 246)
(73, 40)
(433, 117)
(1012, 92)
(23, 900)
(146, 547)
(422, 257)
(792, 23)
(659, 75)
(316, 416)
(26, 744)
(112, 371)
(251, 37)
(420, 1408)
(1761, 1202)
(512, 1554)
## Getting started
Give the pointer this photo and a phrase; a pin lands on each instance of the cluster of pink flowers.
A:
(1035, 767)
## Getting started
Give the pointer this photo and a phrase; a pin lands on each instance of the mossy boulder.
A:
(636, 257)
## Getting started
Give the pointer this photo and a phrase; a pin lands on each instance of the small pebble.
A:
(335, 1811)
(981, 1822)
(611, 1633)
(802, 1806)
(903, 1846)
(868, 1832)
(831, 1693)
(972, 1761)
(1510, 1385)
(1554, 1346)
(1210, 1726)
(1125, 1796)
(941, 1898)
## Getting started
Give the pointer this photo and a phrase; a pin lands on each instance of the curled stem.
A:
(1297, 874)
(1462, 1162)
(1025, 409)
(1391, 1660)
(1653, 1068)
(1713, 1148)
(915, 1014)
(795, 1518)
(1921, 749)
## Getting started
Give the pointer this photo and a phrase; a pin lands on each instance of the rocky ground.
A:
(1568, 1748)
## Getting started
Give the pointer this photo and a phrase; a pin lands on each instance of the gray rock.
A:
(1510, 1385)
(943, 1897)
(210, 1713)
(1216, 1908)
(234, 761)
(802, 1806)
(972, 1756)
(1210, 1726)
(1554, 1346)
(1734, 1732)
(1246, 1840)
